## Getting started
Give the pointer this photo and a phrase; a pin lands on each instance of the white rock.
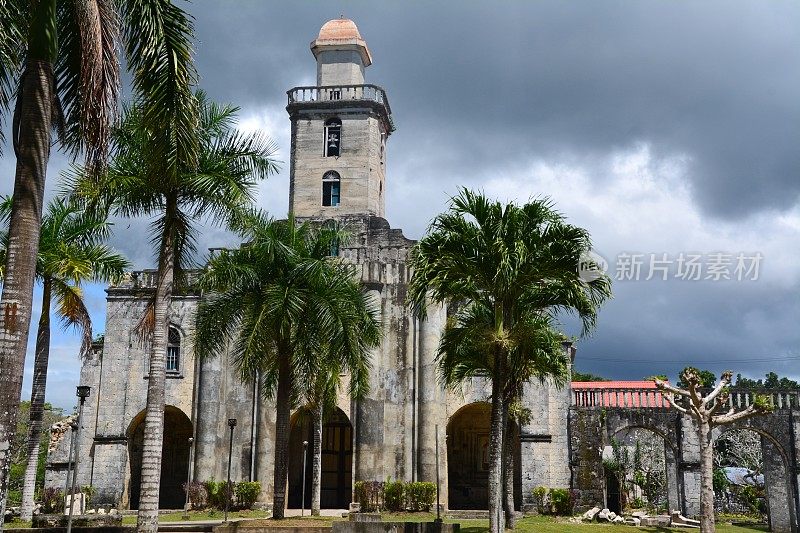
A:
(591, 513)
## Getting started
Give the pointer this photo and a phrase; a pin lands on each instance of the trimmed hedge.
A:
(247, 493)
(394, 495)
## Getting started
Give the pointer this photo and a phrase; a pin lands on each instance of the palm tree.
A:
(515, 267)
(60, 60)
(220, 181)
(71, 251)
(287, 310)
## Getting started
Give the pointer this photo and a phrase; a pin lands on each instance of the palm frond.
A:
(88, 75)
(158, 45)
(14, 23)
(73, 313)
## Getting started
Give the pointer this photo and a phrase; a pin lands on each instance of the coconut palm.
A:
(219, 181)
(71, 252)
(509, 263)
(282, 307)
(60, 60)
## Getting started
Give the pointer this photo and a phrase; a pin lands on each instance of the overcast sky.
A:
(661, 127)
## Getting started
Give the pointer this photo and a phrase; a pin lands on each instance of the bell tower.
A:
(339, 131)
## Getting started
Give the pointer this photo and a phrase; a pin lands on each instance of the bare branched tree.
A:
(708, 411)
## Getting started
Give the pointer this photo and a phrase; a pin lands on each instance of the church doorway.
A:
(468, 458)
(174, 458)
(337, 460)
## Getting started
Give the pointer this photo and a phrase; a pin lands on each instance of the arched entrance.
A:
(468, 458)
(774, 486)
(337, 460)
(641, 471)
(174, 458)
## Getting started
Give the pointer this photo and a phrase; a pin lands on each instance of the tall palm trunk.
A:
(31, 132)
(508, 473)
(37, 402)
(316, 460)
(496, 514)
(147, 521)
(707, 522)
(283, 407)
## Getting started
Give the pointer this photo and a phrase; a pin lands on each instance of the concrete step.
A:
(186, 527)
(477, 514)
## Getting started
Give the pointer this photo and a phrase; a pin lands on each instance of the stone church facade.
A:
(339, 134)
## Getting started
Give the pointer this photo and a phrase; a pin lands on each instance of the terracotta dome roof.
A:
(339, 30)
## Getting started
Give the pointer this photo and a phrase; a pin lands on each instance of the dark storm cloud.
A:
(474, 85)
(661, 327)
(480, 89)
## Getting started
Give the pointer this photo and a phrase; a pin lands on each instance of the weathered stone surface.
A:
(93, 521)
(592, 428)
(655, 521)
(679, 520)
(591, 514)
(394, 527)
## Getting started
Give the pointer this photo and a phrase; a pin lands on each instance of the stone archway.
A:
(468, 458)
(337, 460)
(174, 458)
(654, 448)
(780, 496)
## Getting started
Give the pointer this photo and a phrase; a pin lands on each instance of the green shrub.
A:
(217, 493)
(720, 481)
(637, 503)
(89, 491)
(562, 501)
(394, 495)
(541, 499)
(369, 494)
(247, 493)
(14, 497)
(52, 500)
(420, 495)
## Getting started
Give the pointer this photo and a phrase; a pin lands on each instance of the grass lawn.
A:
(533, 524)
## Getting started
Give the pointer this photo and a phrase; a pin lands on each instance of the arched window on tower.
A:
(333, 137)
(173, 350)
(331, 183)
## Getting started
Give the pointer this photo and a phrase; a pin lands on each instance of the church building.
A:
(340, 129)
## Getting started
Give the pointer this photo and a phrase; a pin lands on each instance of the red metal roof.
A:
(624, 394)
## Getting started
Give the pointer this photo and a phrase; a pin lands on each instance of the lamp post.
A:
(231, 424)
(73, 428)
(303, 503)
(188, 481)
(82, 393)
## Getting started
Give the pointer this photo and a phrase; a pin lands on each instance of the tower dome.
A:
(341, 35)
(339, 30)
